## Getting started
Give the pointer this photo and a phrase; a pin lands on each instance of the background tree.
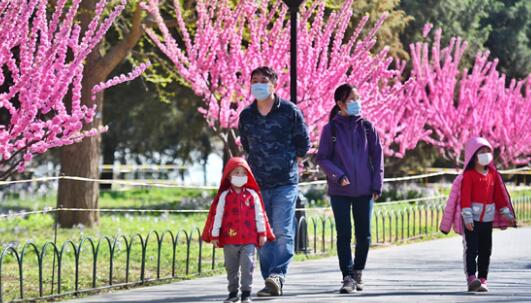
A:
(162, 108)
(458, 18)
(160, 132)
(388, 34)
(510, 38)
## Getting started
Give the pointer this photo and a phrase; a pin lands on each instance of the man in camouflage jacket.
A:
(275, 138)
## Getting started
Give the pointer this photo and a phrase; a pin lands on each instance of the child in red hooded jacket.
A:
(237, 222)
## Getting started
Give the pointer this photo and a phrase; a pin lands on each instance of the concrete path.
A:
(422, 272)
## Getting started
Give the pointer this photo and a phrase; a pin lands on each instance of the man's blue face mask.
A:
(260, 91)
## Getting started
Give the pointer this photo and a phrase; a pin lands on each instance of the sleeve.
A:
(324, 156)
(449, 211)
(377, 160)
(220, 209)
(259, 215)
(466, 199)
(243, 136)
(499, 199)
(301, 138)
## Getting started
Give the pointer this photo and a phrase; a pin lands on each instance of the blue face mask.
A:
(260, 91)
(354, 108)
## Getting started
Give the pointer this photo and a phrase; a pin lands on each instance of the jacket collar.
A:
(347, 119)
(276, 104)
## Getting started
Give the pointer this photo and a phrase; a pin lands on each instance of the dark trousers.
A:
(361, 208)
(478, 244)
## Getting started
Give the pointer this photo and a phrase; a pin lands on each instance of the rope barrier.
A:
(184, 211)
(169, 184)
(156, 183)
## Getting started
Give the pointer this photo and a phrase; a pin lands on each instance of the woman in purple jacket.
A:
(351, 155)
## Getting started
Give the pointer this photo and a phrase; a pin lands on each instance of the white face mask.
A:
(484, 159)
(238, 181)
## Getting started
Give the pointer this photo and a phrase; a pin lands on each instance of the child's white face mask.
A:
(238, 181)
(484, 159)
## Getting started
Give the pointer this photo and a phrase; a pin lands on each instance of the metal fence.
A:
(40, 271)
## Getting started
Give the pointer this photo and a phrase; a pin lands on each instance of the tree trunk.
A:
(230, 148)
(83, 159)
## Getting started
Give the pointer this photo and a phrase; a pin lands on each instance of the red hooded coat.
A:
(239, 214)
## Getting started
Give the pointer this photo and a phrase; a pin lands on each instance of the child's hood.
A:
(232, 164)
(472, 146)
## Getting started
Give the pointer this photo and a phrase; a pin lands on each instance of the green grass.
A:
(40, 228)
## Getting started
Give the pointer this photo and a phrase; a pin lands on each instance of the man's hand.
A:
(375, 196)
(344, 181)
(262, 240)
(215, 243)
(469, 226)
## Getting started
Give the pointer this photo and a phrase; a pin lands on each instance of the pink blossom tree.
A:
(42, 65)
(438, 104)
(53, 72)
(459, 104)
(229, 42)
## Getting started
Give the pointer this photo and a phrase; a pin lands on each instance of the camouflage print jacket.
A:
(273, 142)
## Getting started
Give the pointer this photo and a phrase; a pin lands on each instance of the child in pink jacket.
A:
(478, 202)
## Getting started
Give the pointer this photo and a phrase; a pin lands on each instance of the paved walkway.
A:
(421, 272)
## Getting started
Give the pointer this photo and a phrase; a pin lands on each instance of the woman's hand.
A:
(215, 243)
(375, 196)
(344, 181)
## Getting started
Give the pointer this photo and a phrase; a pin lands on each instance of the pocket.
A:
(490, 212)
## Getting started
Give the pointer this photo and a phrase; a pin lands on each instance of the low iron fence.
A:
(49, 270)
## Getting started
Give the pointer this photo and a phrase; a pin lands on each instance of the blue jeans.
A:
(280, 208)
(362, 212)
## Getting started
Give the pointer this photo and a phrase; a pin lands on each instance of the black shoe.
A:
(232, 298)
(274, 283)
(264, 292)
(349, 285)
(246, 297)
(356, 275)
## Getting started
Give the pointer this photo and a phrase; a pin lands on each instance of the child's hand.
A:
(215, 243)
(262, 240)
(469, 226)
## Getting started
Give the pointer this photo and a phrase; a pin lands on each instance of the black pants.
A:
(361, 208)
(478, 244)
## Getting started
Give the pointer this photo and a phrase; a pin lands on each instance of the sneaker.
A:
(349, 285)
(356, 275)
(473, 283)
(264, 292)
(274, 282)
(246, 297)
(483, 287)
(233, 297)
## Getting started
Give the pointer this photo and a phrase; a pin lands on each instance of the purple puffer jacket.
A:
(357, 154)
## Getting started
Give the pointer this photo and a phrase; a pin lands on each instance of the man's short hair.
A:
(266, 71)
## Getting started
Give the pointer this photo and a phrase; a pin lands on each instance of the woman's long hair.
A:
(340, 95)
